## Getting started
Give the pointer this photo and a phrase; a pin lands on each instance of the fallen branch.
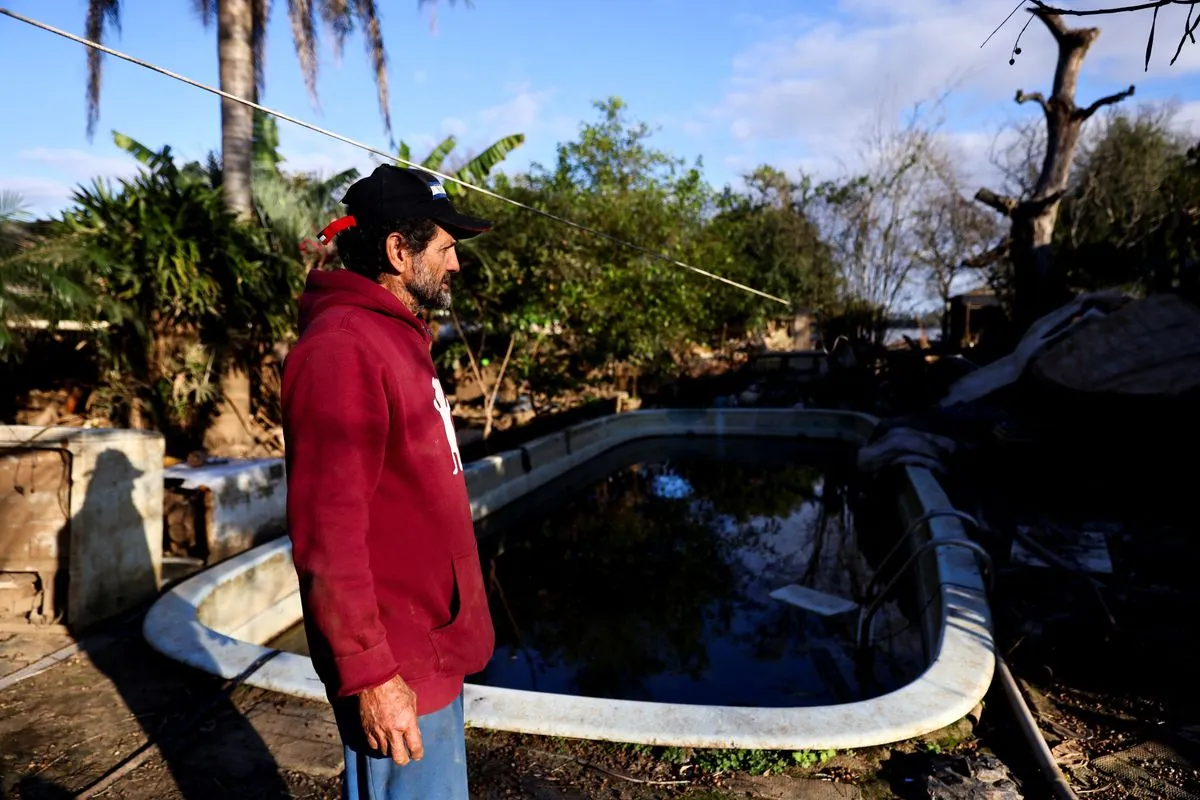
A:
(489, 401)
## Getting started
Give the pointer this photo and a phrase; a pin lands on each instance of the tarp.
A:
(1147, 348)
(1054, 327)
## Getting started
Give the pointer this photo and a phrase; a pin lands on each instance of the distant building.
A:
(972, 313)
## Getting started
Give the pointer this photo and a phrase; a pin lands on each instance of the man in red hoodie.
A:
(382, 538)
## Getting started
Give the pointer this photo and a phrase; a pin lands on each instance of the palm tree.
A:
(241, 39)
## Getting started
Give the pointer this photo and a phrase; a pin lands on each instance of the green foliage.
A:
(1132, 215)
(186, 289)
(809, 759)
(38, 282)
(581, 303)
(771, 243)
(294, 207)
(476, 170)
(760, 762)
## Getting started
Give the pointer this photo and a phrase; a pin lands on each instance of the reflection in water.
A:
(646, 575)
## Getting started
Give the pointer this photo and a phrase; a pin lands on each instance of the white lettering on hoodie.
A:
(443, 407)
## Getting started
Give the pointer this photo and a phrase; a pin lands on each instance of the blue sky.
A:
(789, 83)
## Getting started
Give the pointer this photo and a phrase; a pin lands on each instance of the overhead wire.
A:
(391, 156)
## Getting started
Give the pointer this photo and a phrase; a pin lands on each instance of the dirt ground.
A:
(64, 729)
(1117, 706)
(1116, 702)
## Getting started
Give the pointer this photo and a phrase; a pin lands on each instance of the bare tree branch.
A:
(1032, 97)
(1112, 99)
(1053, 21)
(989, 257)
(1189, 32)
(1005, 205)
(1095, 12)
(1050, 12)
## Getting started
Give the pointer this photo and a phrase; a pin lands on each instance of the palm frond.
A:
(435, 159)
(101, 15)
(12, 207)
(368, 15)
(143, 154)
(477, 169)
(303, 16)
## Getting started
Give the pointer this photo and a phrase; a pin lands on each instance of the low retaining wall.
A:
(225, 508)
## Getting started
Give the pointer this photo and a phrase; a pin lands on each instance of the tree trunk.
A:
(229, 432)
(236, 53)
(1037, 286)
(946, 305)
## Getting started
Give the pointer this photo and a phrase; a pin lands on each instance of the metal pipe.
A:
(1059, 788)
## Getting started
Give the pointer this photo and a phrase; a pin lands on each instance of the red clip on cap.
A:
(334, 228)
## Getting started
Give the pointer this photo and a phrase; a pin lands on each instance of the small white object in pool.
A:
(812, 600)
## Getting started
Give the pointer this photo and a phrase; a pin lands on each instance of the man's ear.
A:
(398, 256)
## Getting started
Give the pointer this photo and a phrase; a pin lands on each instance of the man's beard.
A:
(429, 290)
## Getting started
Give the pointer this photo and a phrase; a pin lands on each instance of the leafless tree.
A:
(948, 230)
(870, 219)
(1016, 155)
(1033, 218)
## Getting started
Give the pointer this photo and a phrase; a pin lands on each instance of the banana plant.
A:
(474, 171)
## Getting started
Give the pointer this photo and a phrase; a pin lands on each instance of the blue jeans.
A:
(440, 775)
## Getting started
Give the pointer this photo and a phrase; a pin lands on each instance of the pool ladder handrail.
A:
(868, 608)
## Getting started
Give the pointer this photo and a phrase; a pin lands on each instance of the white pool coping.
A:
(217, 620)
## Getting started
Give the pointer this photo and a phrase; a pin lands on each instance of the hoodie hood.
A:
(326, 290)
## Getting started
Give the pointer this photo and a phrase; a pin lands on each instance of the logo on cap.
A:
(436, 189)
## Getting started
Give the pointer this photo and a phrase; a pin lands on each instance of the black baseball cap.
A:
(392, 192)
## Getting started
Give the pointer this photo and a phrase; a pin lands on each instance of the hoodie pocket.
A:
(464, 645)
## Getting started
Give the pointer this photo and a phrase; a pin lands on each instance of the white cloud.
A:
(812, 87)
(453, 126)
(80, 164)
(41, 196)
(52, 175)
(520, 113)
(1188, 117)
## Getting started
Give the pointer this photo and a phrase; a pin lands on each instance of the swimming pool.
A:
(646, 574)
(219, 620)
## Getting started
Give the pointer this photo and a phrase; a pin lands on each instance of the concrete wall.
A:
(113, 528)
(244, 502)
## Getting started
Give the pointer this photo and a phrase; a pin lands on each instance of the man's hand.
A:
(389, 719)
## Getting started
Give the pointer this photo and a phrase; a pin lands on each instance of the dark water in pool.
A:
(646, 574)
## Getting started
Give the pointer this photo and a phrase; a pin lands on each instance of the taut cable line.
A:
(390, 156)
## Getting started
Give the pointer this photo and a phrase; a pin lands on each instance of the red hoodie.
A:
(377, 506)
